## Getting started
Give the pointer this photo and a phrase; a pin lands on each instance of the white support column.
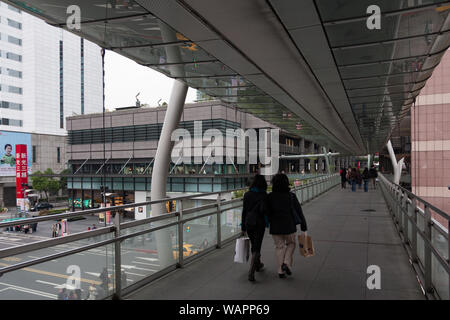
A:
(396, 166)
(165, 146)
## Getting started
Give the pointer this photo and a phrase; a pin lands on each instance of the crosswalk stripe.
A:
(27, 290)
(148, 259)
(147, 264)
(52, 274)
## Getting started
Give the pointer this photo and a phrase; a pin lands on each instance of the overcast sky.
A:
(124, 79)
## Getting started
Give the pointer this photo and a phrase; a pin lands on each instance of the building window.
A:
(14, 9)
(14, 73)
(58, 155)
(34, 154)
(11, 122)
(14, 89)
(11, 105)
(13, 56)
(61, 85)
(15, 40)
(14, 24)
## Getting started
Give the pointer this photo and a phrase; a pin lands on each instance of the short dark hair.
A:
(8, 145)
(259, 182)
(280, 183)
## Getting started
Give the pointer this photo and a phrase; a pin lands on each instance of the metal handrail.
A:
(125, 206)
(404, 206)
(327, 183)
(437, 210)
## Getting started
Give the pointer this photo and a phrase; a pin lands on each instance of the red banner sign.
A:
(21, 171)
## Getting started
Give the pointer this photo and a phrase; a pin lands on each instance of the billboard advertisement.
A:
(8, 150)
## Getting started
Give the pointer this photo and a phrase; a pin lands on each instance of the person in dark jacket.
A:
(280, 207)
(353, 179)
(253, 200)
(343, 174)
(359, 179)
(365, 176)
(373, 174)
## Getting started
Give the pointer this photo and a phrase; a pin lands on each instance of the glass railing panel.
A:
(230, 222)
(85, 275)
(32, 255)
(200, 234)
(440, 277)
(146, 254)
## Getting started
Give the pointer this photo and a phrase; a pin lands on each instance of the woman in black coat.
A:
(284, 212)
(253, 221)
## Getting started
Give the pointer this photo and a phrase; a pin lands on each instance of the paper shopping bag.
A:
(305, 245)
(242, 250)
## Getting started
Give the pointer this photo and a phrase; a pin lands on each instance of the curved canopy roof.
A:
(313, 68)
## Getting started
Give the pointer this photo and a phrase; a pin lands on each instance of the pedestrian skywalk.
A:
(351, 231)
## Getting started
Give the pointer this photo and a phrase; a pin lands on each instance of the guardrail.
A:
(424, 237)
(158, 245)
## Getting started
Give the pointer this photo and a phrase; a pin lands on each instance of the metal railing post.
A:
(413, 213)
(398, 208)
(219, 226)
(427, 254)
(180, 235)
(117, 257)
(404, 215)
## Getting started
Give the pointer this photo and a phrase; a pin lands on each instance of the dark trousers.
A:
(256, 238)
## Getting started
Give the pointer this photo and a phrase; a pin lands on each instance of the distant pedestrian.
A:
(353, 179)
(72, 296)
(210, 223)
(53, 230)
(366, 176)
(349, 176)
(343, 174)
(284, 213)
(78, 294)
(94, 227)
(123, 279)
(92, 293)
(62, 294)
(373, 174)
(359, 179)
(104, 279)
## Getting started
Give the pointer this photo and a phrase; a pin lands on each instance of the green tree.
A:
(46, 184)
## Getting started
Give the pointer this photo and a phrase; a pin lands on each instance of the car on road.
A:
(187, 251)
(41, 206)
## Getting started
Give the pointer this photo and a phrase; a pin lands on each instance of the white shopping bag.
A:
(242, 250)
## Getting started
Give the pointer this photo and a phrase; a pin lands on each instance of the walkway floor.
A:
(351, 231)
